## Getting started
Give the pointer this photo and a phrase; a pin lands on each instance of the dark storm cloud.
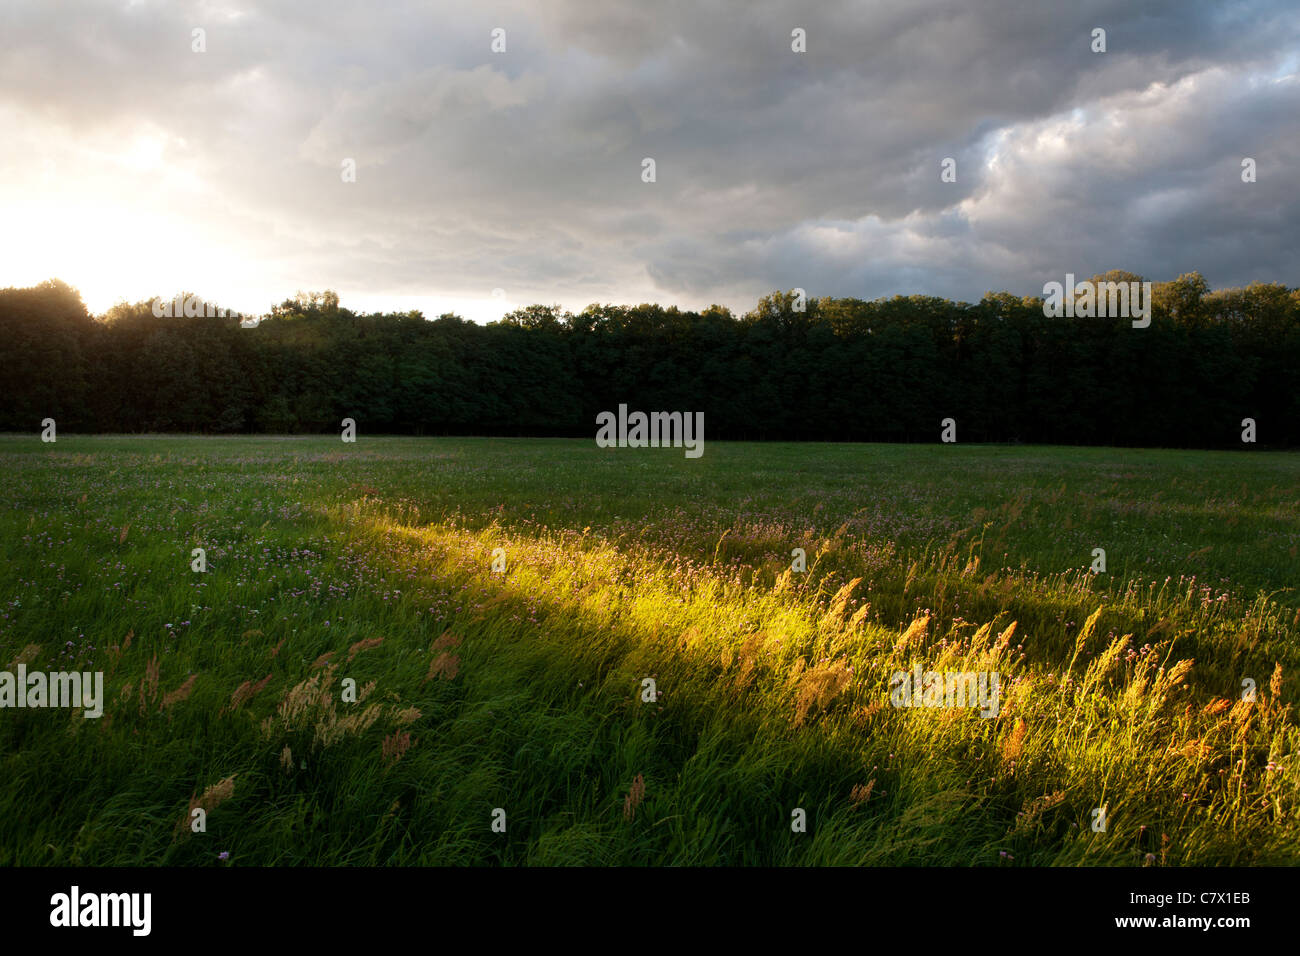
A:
(775, 169)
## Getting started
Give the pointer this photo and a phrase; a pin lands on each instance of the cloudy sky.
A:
(135, 166)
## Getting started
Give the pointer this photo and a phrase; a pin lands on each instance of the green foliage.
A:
(840, 370)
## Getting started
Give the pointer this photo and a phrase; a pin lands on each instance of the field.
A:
(515, 700)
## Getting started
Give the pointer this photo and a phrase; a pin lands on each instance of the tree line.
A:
(821, 369)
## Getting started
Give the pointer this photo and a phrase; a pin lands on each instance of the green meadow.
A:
(350, 681)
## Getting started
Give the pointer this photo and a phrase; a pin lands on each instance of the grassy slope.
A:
(522, 690)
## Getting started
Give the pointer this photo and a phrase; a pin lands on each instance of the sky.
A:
(138, 165)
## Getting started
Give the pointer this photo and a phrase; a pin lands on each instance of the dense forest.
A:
(839, 369)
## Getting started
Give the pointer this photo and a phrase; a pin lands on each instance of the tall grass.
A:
(366, 571)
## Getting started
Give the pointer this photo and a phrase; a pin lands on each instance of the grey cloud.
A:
(775, 169)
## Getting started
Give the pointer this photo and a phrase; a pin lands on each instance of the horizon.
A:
(1059, 296)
